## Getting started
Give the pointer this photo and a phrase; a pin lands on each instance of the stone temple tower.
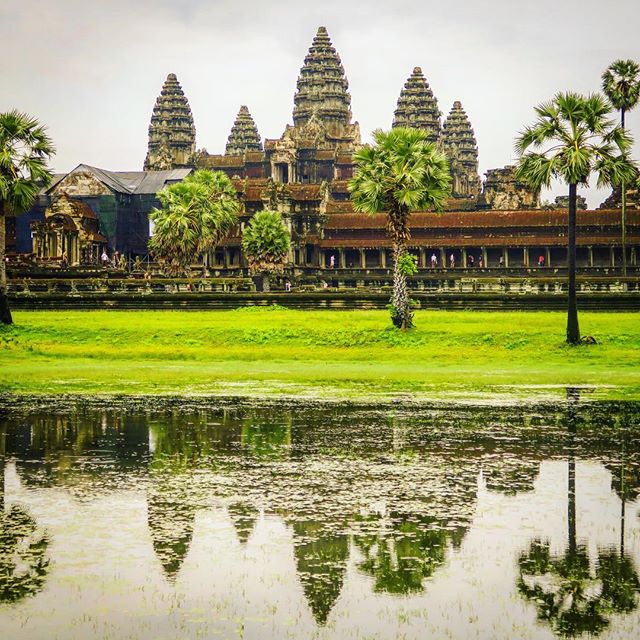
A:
(244, 135)
(172, 134)
(459, 144)
(417, 106)
(322, 86)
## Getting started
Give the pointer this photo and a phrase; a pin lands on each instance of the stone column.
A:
(547, 256)
(525, 255)
(363, 260)
(383, 258)
(590, 250)
(464, 257)
(443, 258)
(505, 253)
(226, 258)
(613, 257)
(341, 259)
(484, 256)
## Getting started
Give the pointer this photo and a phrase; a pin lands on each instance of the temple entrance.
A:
(516, 257)
(352, 258)
(282, 172)
(372, 258)
(493, 257)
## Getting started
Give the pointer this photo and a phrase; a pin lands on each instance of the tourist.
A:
(541, 261)
(63, 259)
(332, 261)
(287, 285)
(452, 261)
(434, 261)
(471, 262)
(501, 262)
(480, 262)
(105, 258)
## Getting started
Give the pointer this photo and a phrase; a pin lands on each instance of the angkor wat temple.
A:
(304, 174)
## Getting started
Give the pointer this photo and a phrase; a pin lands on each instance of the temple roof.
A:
(322, 85)
(128, 182)
(417, 106)
(244, 135)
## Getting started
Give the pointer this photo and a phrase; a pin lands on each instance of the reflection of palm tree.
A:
(565, 593)
(23, 547)
(405, 550)
(321, 561)
(568, 595)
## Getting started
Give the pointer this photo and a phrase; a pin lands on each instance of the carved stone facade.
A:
(562, 202)
(70, 233)
(417, 107)
(172, 134)
(614, 201)
(460, 146)
(503, 192)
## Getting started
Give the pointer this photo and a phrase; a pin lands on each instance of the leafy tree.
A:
(571, 139)
(24, 561)
(265, 243)
(25, 149)
(196, 215)
(621, 84)
(402, 172)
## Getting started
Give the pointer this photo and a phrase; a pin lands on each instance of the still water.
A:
(176, 520)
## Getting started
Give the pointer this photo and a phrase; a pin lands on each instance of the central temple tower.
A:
(322, 137)
(322, 86)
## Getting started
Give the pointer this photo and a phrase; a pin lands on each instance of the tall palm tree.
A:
(196, 214)
(25, 149)
(621, 84)
(402, 172)
(572, 138)
(265, 244)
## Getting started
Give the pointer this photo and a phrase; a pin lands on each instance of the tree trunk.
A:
(401, 315)
(266, 284)
(573, 329)
(623, 215)
(5, 312)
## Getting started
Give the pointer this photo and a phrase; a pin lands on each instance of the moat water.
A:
(172, 520)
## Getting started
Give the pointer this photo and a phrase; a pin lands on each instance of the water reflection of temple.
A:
(395, 501)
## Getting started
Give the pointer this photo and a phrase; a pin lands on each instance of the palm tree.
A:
(196, 215)
(25, 149)
(400, 173)
(571, 139)
(621, 84)
(265, 243)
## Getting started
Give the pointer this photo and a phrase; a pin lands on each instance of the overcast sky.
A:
(91, 70)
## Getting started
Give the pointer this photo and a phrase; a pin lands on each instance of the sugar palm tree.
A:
(621, 84)
(265, 243)
(25, 149)
(196, 214)
(401, 173)
(572, 138)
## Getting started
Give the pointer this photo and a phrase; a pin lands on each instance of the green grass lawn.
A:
(263, 351)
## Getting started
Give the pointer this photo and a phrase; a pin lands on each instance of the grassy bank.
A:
(323, 353)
